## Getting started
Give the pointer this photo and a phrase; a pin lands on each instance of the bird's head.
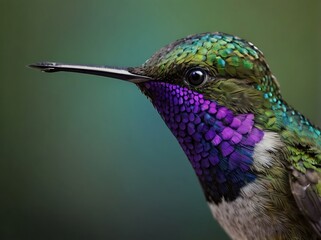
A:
(219, 66)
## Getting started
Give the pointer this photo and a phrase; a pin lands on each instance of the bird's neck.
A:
(218, 143)
(262, 98)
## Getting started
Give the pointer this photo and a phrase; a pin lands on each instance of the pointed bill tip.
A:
(44, 66)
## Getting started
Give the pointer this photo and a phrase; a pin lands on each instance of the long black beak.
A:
(119, 73)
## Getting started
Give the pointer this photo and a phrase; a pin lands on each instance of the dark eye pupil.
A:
(196, 77)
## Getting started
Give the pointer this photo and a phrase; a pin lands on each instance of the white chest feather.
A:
(245, 218)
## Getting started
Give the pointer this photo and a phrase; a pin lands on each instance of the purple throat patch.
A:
(218, 143)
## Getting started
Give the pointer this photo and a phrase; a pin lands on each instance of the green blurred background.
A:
(86, 157)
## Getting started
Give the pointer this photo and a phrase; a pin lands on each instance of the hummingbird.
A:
(257, 159)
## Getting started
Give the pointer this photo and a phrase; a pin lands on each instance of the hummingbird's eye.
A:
(195, 76)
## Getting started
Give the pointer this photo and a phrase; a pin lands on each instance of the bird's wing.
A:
(305, 182)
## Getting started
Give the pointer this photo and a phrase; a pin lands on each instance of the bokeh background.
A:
(85, 157)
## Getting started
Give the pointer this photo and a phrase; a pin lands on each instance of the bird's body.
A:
(257, 159)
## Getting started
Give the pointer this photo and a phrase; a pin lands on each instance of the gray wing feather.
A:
(304, 190)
